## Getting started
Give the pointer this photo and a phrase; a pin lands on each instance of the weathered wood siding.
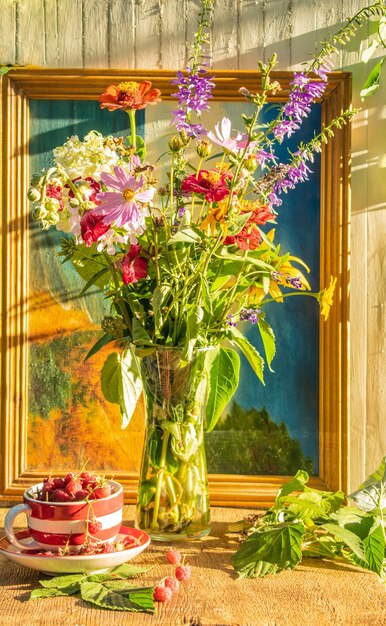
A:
(154, 34)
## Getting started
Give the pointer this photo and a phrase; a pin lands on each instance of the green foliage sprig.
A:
(312, 523)
(108, 591)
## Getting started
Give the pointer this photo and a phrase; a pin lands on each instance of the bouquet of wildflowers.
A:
(183, 263)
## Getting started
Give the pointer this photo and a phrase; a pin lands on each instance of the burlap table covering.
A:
(316, 593)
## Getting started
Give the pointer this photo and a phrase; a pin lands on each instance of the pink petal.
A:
(110, 181)
(122, 176)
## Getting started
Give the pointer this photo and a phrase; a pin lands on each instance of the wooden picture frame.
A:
(23, 84)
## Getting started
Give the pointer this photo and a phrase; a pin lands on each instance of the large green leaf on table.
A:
(268, 338)
(372, 493)
(51, 592)
(253, 357)
(348, 538)
(297, 483)
(118, 595)
(313, 504)
(121, 383)
(374, 548)
(373, 81)
(270, 550)
(224, 371)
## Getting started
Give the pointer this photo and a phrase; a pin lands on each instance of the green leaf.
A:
(270, 550)
(129, 386)
(121, 383)
(296, 483)
(146, 492)
(193, 321)
(249, 259)
(374, 546)
(238, 223)
(94, 279)
(223, 380)
(160, 294)
(110, 375)
(253, 357)
(350, 539)
(51, 592)
(140, 335)
(372, 493)
(268, 338)
(368, 52)
(102, 341)
(372, 83)
(129, 571)
(4, 69)
(88, 263)
(118, 595)
(188, 235)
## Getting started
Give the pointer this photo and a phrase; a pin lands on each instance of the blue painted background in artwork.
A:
(291, 392)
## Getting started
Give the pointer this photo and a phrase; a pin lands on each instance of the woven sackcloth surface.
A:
(317, 593)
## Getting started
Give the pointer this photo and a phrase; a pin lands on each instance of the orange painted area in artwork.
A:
(86, 432)
(48, 319)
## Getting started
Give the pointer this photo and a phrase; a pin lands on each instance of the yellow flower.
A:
(325, 298)
(217, 215)
(287, 276)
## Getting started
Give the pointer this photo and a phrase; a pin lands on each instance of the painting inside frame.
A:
(271, 430)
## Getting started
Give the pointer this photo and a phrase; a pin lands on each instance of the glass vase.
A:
(173, 500)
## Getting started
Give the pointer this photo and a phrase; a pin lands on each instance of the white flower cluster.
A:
(89, 157)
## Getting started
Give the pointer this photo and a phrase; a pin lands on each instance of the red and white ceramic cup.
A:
(53, 525)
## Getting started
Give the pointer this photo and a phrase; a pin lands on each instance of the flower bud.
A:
(163, 191)
(251, 163)
(52, 205)
(33, 194)
(176, 144)
(204, 148)
(73, 202)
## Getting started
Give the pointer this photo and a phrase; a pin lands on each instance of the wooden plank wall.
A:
(154, 34)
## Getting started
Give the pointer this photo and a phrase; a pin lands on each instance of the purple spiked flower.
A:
(193, 94)
(250, 315)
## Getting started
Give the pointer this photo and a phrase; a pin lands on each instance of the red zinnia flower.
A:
(246, 239)
(129, 96)
(92, 227)
(133, 266)
(212, 184)
(261, 215)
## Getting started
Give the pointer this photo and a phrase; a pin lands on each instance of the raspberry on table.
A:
(183, 572)
(162, 594)
(172, 583)
(173, 556)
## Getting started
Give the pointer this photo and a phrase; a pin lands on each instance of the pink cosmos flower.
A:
(223, 137)
(124, 205)
(133, 266)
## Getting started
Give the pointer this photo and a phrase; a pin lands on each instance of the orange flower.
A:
(217, 215)
(129, 96)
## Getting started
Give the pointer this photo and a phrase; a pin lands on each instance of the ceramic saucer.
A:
(76, 563)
